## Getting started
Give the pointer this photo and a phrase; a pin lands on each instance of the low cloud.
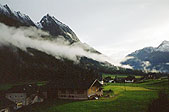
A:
(31, 37)
(127, 58)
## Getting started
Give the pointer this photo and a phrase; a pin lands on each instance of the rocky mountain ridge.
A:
(150, 58)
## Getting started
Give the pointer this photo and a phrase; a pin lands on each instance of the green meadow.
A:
(128, 97)
(119, 76)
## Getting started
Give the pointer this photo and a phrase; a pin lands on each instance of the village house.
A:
(24, 95)
(130, 79)
(119, 80)
(75, 89)
(108, 79)
(6, 105)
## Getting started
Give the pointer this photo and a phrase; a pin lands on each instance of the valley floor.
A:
(128, 97)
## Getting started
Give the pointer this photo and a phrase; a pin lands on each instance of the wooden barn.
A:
(75, 90)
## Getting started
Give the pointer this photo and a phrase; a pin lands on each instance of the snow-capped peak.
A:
(165, 42)
(49, 19)
(47, 23)
(23, 18)
(4, 9)
(163, 47)
(55, 27)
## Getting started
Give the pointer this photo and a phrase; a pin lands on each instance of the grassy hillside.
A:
(130, 97)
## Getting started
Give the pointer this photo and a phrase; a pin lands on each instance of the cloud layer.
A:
(31, 37)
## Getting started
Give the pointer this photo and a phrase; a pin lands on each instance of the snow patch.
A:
(39, 25)
(3, 10)
(163, 47)
(167, 63)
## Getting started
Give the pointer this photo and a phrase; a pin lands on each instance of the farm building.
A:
(24, 95)
(76, 90)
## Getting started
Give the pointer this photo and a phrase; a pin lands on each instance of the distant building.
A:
(24, 95)
(111, 81)
(107, 79)
(75, 90)
(129, 81)
(151, 76)
(119, 80)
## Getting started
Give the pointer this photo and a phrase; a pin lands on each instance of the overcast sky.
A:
(114, 27)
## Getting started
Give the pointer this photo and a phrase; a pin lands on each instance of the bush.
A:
(161, 104)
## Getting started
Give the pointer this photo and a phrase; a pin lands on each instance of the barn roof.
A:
(28, 88)
(73, 84)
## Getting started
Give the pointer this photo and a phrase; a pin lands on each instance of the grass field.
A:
(119, 76)
(130, 97)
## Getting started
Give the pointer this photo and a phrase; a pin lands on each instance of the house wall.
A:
(45, 94)
(52, 93)
(5, 110)
(72, 94)
(129, 81)
(94, 91)
(37, 99)
(33, 98)
(18, 98)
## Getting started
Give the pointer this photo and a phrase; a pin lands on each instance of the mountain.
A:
(47, 23)
(13, 18)
(56, 28)
(32, 64)
(150, 58)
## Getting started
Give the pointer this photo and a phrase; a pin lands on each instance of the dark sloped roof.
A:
(4, 102)
(71, 84)
(29, 88)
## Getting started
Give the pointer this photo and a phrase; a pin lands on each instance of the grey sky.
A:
(114, 27)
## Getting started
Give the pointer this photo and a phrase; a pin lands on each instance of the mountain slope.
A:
(34, 64)
(18, 66)
(150, 58)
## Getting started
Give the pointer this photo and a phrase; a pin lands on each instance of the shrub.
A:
(161, 104)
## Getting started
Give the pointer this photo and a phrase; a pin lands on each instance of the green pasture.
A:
(128, 97)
